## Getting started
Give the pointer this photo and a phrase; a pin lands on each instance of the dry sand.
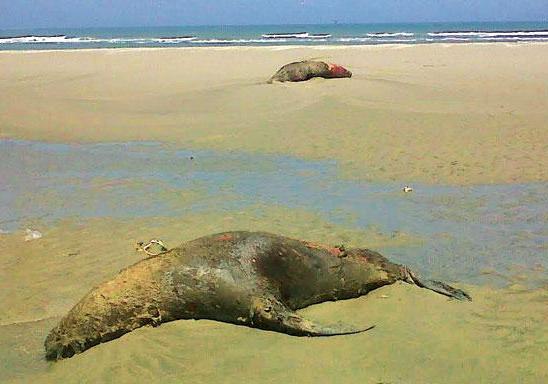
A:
(457, 114)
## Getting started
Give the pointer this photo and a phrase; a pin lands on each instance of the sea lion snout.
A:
(339, 71)
(59, 347)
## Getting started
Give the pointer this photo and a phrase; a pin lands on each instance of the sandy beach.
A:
(453, 114)
(95, 149)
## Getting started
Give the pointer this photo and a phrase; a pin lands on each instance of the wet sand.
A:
(419, 336)
(460, 115)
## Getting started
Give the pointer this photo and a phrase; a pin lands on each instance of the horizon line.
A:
(272, 25)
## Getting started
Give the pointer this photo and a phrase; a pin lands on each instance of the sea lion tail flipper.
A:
(436, 286)
(272, 315)
(308, 328)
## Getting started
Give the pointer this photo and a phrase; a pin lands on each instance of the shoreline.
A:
(282, 47)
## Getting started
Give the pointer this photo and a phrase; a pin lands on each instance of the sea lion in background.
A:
(305, 70)
(249, 278)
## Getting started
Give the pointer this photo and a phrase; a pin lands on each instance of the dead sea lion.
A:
(306, 70)
(249, 278)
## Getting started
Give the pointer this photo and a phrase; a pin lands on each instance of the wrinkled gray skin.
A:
(248, 278)
(306, 70)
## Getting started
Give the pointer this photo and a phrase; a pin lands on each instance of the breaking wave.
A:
(60, 39)
(390, 34)
(35, 41)
(489, 34)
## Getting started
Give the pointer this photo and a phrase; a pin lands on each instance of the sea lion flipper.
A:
(271, 314)
(445, 289)
(308, 328)
(434, 285)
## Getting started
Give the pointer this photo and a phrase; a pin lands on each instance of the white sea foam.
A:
(389, 34)
(373, 40)
(280, 38)
(486, 39)
(384, 41)
(353, 39)
(490, 34)
(255, 41)
(285, 35)
(174, 40)
(298, 35)
(161, 40)
(515, 38)
(449, 39)
(236, 41)
(321, 36)
(59, 39)
(38, 39)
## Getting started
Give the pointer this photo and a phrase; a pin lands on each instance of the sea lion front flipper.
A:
(271, 314)
(299, 326)
(434, 285)
(445, 289)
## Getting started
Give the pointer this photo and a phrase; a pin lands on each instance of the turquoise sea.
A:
(272, 35)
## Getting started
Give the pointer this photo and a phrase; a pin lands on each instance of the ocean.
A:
(273, 35)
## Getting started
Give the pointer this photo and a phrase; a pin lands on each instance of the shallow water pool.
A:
(477, 234)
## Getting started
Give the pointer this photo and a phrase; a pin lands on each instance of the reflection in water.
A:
(475, 233)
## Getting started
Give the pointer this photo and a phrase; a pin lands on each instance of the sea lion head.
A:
(339, 71)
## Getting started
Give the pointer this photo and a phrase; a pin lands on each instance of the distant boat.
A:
(296, 35)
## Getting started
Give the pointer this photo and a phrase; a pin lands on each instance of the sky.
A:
(124, 13)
